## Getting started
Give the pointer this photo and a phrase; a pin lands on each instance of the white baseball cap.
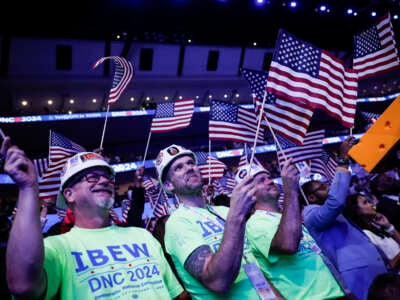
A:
(167, 156)
(243, 172)
(76, 164)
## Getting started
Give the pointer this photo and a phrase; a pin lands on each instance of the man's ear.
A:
(311, 198)
(168, 185)
(67, 194)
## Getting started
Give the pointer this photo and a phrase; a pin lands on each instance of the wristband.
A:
(390, 230)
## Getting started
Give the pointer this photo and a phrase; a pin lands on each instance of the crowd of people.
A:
(322, 241)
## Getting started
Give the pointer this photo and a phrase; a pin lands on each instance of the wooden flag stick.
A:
(209, 162)
(147, 148)
(104, 127)
(258, 129)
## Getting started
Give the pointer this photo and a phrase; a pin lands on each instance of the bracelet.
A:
(390, 230)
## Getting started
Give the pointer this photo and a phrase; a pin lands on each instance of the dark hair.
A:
(385, 286)
(351, 212)
(307, 189)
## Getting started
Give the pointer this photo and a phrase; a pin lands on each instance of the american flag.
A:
(173, 115)
(290, 120)
(301, 72)
(230, 122)
(123, 75)
(224, 185)
(209, 166)
(40, 165)
(370, 117)
(126, 206)
(324, 165)
(60, 149)
(157, 197)
(310, 149)
(246, 157)
(375, 49)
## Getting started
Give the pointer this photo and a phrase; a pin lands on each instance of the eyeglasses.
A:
(95, 177)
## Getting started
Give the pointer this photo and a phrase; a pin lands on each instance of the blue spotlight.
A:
(293, 4)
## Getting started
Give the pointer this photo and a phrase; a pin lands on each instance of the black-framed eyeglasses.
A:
(95, 177)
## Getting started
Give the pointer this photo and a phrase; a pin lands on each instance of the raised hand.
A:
(290, 176)
(345, 146)
(18, 165)
(381, 221)
(243, 197)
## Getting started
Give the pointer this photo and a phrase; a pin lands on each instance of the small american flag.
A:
(324, 165)
(123, 75)
(310, 149)
(375, 49)
(209, 166)
(246, 157)
(301, 72)
(370, 117)
(157, 197)
(60, 149)
(40, 165)
(173, 115)
(230, 122)
(291, 120)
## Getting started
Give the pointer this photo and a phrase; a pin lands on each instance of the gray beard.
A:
(103, 204)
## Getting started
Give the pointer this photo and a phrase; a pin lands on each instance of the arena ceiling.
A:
(218, 22)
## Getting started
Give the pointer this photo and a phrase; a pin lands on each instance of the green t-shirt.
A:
(302, 275)
(189, 228)
(108, 263)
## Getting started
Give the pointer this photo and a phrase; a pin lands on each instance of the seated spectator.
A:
(385, 287)
(375, 225)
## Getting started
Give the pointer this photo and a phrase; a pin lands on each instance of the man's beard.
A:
(105, 204)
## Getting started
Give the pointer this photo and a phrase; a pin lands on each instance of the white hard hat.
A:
(243, 172)
(76, 164)
(167, 155)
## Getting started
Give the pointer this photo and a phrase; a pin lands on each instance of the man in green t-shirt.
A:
(95, 260)
(287, 254)
(206, 243)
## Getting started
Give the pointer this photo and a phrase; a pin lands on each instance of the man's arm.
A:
(287, 237)
(25, 252)
(217, 271)
(323, 216)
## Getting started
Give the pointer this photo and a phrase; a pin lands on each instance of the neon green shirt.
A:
(185, 231)
(302, 275)
(108, 263)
